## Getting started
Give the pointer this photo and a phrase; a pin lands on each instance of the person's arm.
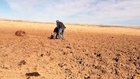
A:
(63, 25)
(58, 25)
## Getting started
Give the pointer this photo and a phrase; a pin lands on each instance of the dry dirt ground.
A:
(88, 52)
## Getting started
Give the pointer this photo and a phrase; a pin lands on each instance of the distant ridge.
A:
(80, 24)
(3, 19)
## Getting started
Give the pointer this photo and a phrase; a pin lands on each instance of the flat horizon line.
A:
(82, 24)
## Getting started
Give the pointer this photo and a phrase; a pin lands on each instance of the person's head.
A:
(57, 20)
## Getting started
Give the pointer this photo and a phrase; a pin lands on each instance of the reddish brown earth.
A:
(86, 53)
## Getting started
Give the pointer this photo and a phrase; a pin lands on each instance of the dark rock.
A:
(68, 47)
(116, 59)
(23, 62)
(32, 74)
(98, 55)
(42, 55)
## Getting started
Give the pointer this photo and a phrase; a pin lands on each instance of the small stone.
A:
(23, 62)
(87, 77)
(42, 55)
(68, 47)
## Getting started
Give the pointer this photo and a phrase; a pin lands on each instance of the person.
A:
(61, 28)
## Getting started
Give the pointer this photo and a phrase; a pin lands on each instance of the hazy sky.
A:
(120, 12)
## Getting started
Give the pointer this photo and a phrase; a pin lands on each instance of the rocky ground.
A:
(86, 52)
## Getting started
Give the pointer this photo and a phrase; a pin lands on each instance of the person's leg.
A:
(63, 33)
(59, 33)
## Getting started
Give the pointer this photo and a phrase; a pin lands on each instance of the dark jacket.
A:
(60, 25)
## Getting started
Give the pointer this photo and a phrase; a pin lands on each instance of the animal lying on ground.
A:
(20, 33)
(54, 35)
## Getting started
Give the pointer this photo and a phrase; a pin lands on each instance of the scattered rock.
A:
(98, 67)
(118, 55)
(68, 47)
(61, 65)
(64, 53)
(84, 50)
(23, 62)
(116, 59)
(68, 70)
(71, 52)
(80, 62)
(48, 53)
(87, 77)
(32, 74)
(42, 55)
(86, 54)
(98, 55)
(138, 57)
(5, 67)
(116, 71)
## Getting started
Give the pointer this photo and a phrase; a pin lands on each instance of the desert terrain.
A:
(87, 52)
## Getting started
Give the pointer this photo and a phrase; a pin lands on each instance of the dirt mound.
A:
(20, 33)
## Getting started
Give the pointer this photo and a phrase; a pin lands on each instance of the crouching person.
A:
(61, 28)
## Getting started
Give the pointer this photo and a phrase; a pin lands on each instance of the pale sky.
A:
(116, 12)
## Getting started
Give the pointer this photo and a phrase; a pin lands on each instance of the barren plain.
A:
(88, 52)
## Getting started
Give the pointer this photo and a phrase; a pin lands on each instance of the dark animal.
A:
(54, 35)
(20, 33)
(55, 32)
